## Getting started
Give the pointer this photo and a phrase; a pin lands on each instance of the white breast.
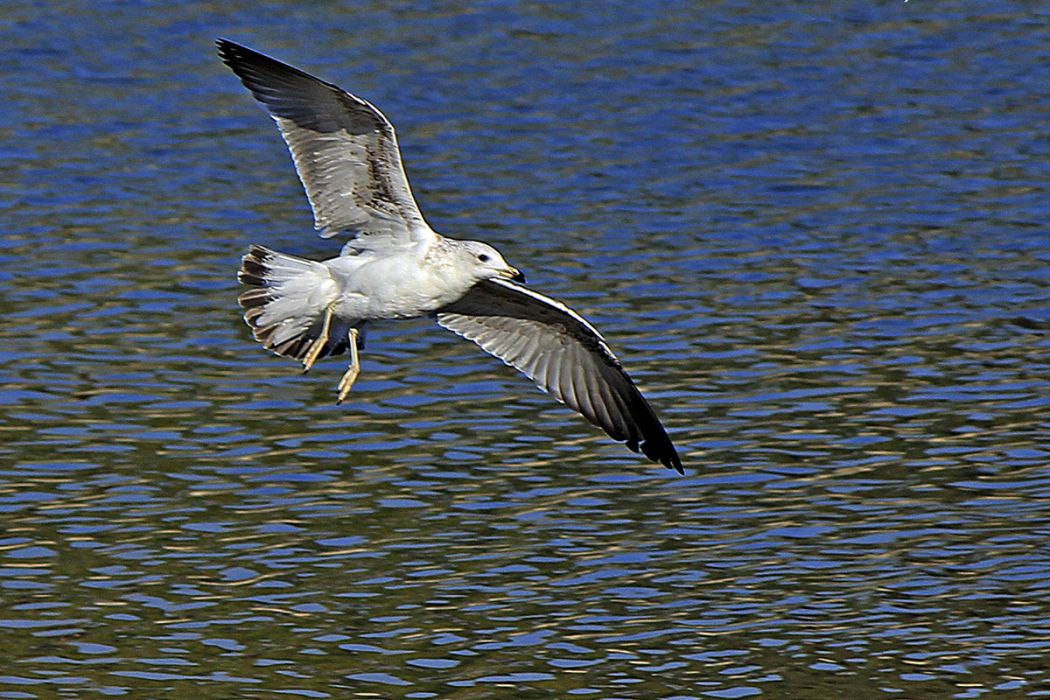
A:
(392, 286)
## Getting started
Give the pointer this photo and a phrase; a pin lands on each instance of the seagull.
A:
(395, 266)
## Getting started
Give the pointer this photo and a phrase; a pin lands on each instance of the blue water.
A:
(816, 236)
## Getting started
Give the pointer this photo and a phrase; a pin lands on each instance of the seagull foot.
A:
(350, 375)
(347, 383)
(317, 347)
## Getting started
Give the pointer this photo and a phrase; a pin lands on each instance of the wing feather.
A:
(345, 151)
(564, 354)
(573, 379)
(607, 411)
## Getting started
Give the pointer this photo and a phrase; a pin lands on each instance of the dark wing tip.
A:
(655, 442)
(630, 418)
(663, 451)
(644, 432)
(231, 52)
(676, 462)
(290, 93)
(247, 63)
(242, 60)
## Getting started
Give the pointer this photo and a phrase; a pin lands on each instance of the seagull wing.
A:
(344, 150)
(566, 357)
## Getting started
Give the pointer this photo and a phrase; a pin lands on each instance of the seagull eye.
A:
(483, 257)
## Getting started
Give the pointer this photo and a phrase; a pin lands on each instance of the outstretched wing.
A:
(566, 357)
(344, 150)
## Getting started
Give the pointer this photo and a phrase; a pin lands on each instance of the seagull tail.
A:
(286, 302)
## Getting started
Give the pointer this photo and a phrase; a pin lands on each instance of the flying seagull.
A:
(396, 266)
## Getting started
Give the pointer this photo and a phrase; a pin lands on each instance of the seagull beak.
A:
(514, 274)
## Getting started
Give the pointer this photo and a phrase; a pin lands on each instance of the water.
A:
(817, 238)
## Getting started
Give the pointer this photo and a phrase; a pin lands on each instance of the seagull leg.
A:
(350, 376)
(319, 342)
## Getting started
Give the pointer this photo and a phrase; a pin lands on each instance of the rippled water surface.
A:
(817, 236)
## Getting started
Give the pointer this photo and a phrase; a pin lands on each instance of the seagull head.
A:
(487, 262)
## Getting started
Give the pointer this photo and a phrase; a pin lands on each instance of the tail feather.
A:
(286, 302)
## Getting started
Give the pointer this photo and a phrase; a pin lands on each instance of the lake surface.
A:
(816, 236)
